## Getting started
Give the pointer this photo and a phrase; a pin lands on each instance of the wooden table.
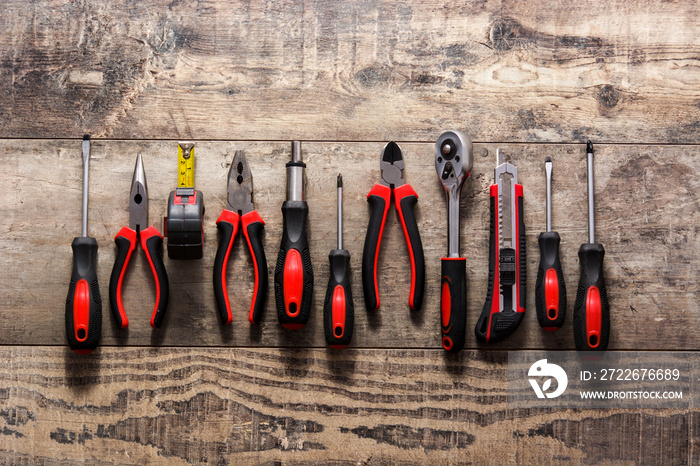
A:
(344, 77)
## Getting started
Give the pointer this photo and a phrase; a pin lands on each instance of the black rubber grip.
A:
(120, 262)
(408, 204)
(481, 328)
(551, 314)
(222, 251)
(591, 259)
(257, 253)
(84, 332)
(338, 307)
(373, 239)
(453, 303)
(154, 249)
(295, 242)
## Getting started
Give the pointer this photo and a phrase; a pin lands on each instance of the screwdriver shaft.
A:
(591, 202)
(86, 162)
(340, 211)
(548, 170)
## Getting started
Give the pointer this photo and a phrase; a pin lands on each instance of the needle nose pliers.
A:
(152, 245)
(239, 206)
(405, 198)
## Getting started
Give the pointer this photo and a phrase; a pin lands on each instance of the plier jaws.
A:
(391, 164)
(240, 185)
(138, 198)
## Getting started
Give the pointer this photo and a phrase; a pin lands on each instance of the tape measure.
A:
(183, 225)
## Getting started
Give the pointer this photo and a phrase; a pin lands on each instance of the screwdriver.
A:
(591, 310)
(550, 290)
(338, 308)
(83, 303)
(294, 276)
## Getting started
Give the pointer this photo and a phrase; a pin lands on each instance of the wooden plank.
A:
(647, 218)
(223, 405)
(371, 70)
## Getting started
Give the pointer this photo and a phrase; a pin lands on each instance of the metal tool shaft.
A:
(295, 174)
(453, 196)
(86, 164)
(548, 170)
(340, 211)
(591, 194)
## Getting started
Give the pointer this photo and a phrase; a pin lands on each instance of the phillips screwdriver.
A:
(84, 303)
(453, 163)
(550, 290)
(338, 308)
(591, 310)
(294, 276)
(505, 301)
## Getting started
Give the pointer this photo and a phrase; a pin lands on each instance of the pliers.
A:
(151, 243)
(239, 206)
(405, 198)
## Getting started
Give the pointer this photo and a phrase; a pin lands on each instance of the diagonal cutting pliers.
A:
(405, 199)
(239, 206)
(152, 245)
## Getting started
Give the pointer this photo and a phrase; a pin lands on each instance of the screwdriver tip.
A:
(548, 159)
(589, 146)
(86, 137)
(340, 180)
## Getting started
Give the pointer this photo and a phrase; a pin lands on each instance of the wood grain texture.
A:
(232, 406)
(647, 218)
(370, 70)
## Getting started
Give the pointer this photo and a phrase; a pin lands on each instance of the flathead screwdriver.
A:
(83, 303)
(591, 310)
(338, 308)
(550, 291)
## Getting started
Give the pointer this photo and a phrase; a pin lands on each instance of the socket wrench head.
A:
(453, 163)
(453, 159)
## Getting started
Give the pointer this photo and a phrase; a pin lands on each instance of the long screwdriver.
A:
(338, 308)
(550, 290)
(591, 310)
(84, 303)
(294, 276)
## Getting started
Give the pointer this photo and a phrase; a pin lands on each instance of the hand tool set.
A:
(505, 299)
(338, 308)
(84, 303)
(183, 225)
(240, 209)
(152, 245)
(293, 276)
(405, 198)
(453, 163)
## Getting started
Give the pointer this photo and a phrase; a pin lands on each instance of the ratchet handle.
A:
(294, 277)
(550, 289)
(84, 303)
(379, 199)
(405, 199)
(453, 302)
(338, 307)
(591, 310)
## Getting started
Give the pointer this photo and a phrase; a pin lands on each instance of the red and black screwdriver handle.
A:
(453, 302)
(294, 276)
(252, 225)
(405, 199)
(84, 303)
(591, 310)
(338, 307)
(505, 271)
(152, 245)
(550, 290)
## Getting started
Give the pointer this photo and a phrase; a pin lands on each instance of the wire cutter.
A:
(152, 245)
(405, 199)
(239, 206)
